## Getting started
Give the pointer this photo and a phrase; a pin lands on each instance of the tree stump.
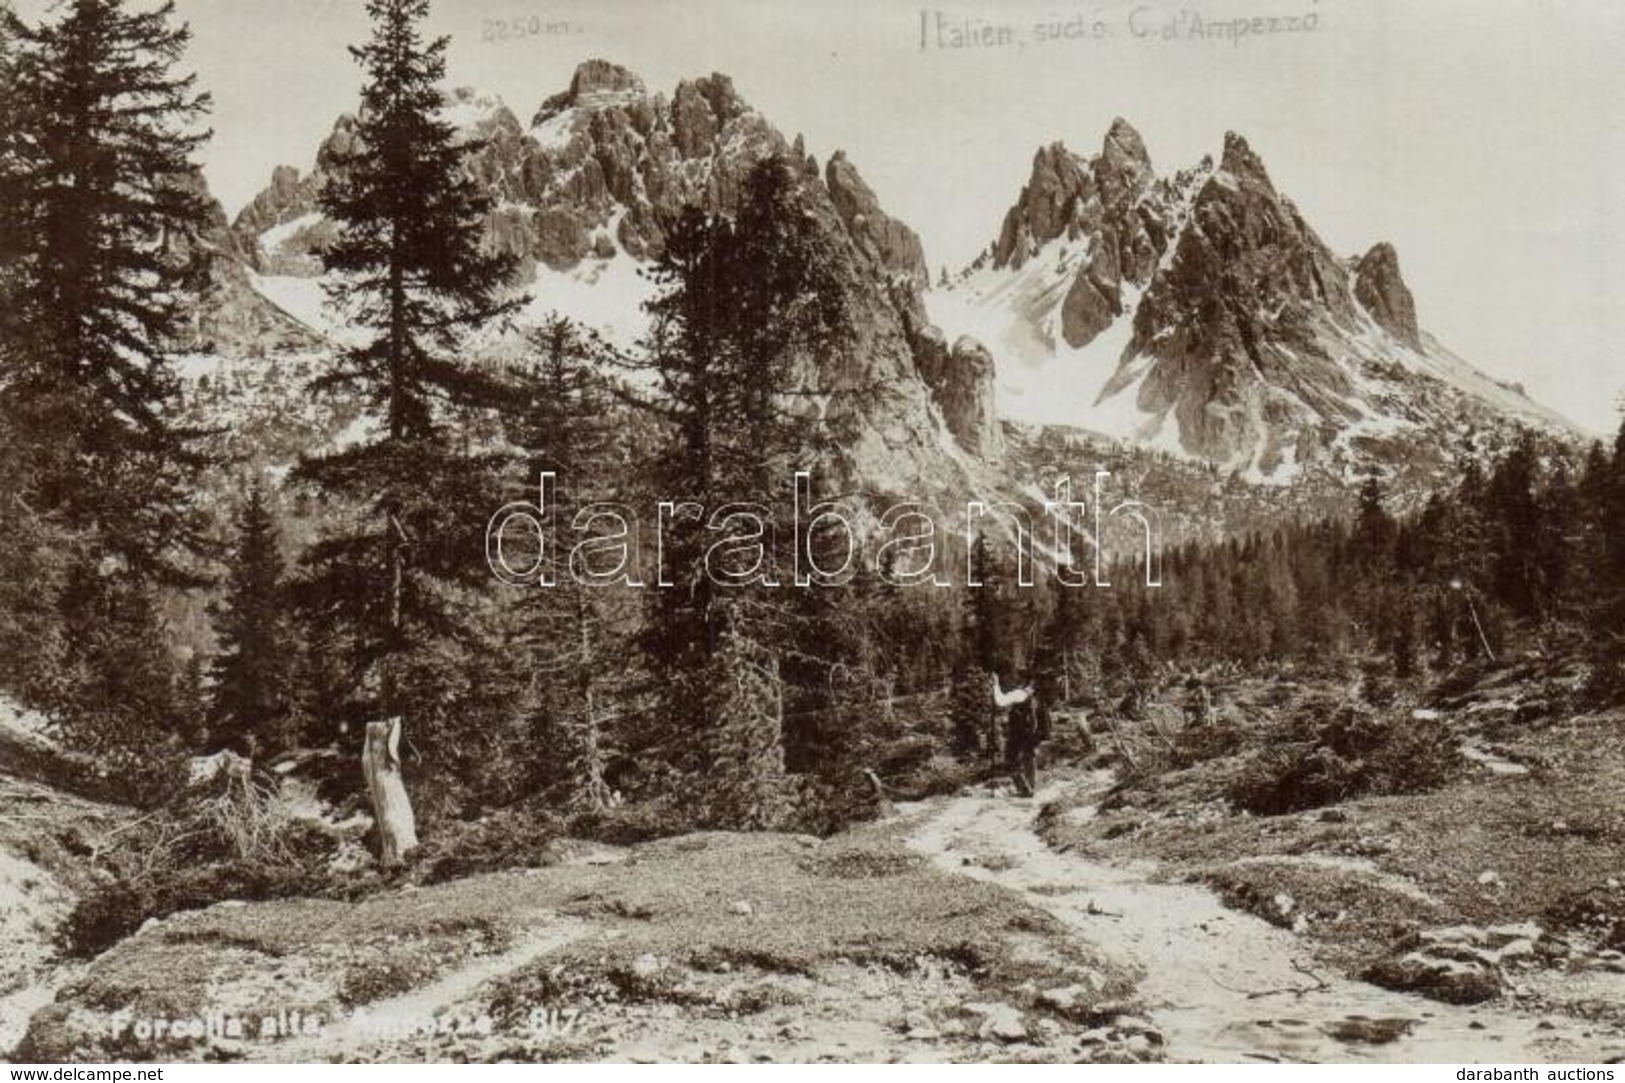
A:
(391, 808)
(882, 802)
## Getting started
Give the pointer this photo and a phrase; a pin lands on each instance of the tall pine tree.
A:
(572, 658)
(101, 220)
(389, 592)
(252, 672)
(104, 212)
(746, 304)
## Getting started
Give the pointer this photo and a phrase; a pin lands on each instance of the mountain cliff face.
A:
(1101, 203)
(585, 194)
(1201, 313)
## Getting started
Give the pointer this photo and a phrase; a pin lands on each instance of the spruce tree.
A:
(746, 747)
(13, 148)
(1374, 529)
(1605, 482)
(974, 723)
(103, 220)
(1557, 546)
(744, 305)
(1057, 656)
(572, 659)
(389, 592)
(968, 710)
(1513, 526)
(837, 671)
(251, 674)
(101, 223)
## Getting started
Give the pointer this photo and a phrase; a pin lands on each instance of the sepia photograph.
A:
(611, 532)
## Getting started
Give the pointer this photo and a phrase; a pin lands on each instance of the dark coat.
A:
(1029, 723)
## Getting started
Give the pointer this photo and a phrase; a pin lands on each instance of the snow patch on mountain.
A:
(605, 295)
(554, 132)
(1242, 342)
(272, 240)
(471, 112)
(305, 299)
(1041, 379)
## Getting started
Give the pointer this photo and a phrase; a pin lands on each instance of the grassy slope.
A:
(693, 948)
(1546, 846)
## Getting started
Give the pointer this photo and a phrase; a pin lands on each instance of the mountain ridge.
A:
(584, 197)
(1195, 313)
(1200, 313)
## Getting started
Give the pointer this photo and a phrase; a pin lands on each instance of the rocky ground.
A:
(705, 947)
(49, 842)
(1225, 984)
(1499, 891)
(1116, 917)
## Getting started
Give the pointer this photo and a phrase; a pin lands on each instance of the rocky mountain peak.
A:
(1123, 148)
(1239, 337)
(599, 178)
(595, 80)
(1043, 210)
(1123, 169)
(961, 380)
(283, 199)
(1107, 235)
(595, 85)
(884, 240)
(340, 142)
(700, 110)
(1381, 289)
(1240, 161)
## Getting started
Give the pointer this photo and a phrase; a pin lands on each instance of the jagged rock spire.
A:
(1380, 287)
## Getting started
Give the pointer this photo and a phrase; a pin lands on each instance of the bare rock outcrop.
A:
(1236, 323)
(1381, 289)
(961, 380)
(887, 242)
(1108, 207)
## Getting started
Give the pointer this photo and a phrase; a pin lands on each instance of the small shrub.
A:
(852, 862)
(1379, 691)
(941, 774)
(104, 917)
(1197, 743)
(117, 910)
(231, 837)
(504, 840)
(626, 825)
(379, 979)
(1333, 752)
(1595, 912)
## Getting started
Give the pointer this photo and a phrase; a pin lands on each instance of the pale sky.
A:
(1484, 138)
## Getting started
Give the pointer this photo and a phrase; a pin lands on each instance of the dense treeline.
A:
(1523, 552)
(101, 215)
(692, 703)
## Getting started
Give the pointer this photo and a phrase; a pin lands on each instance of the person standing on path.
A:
(1024, 729)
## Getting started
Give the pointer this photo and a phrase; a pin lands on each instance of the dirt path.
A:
(39, 883)
(32, 905)
(420, 1011)
(1217, 981)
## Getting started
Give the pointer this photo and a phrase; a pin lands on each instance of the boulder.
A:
(999, 1022)
(1458, 964)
